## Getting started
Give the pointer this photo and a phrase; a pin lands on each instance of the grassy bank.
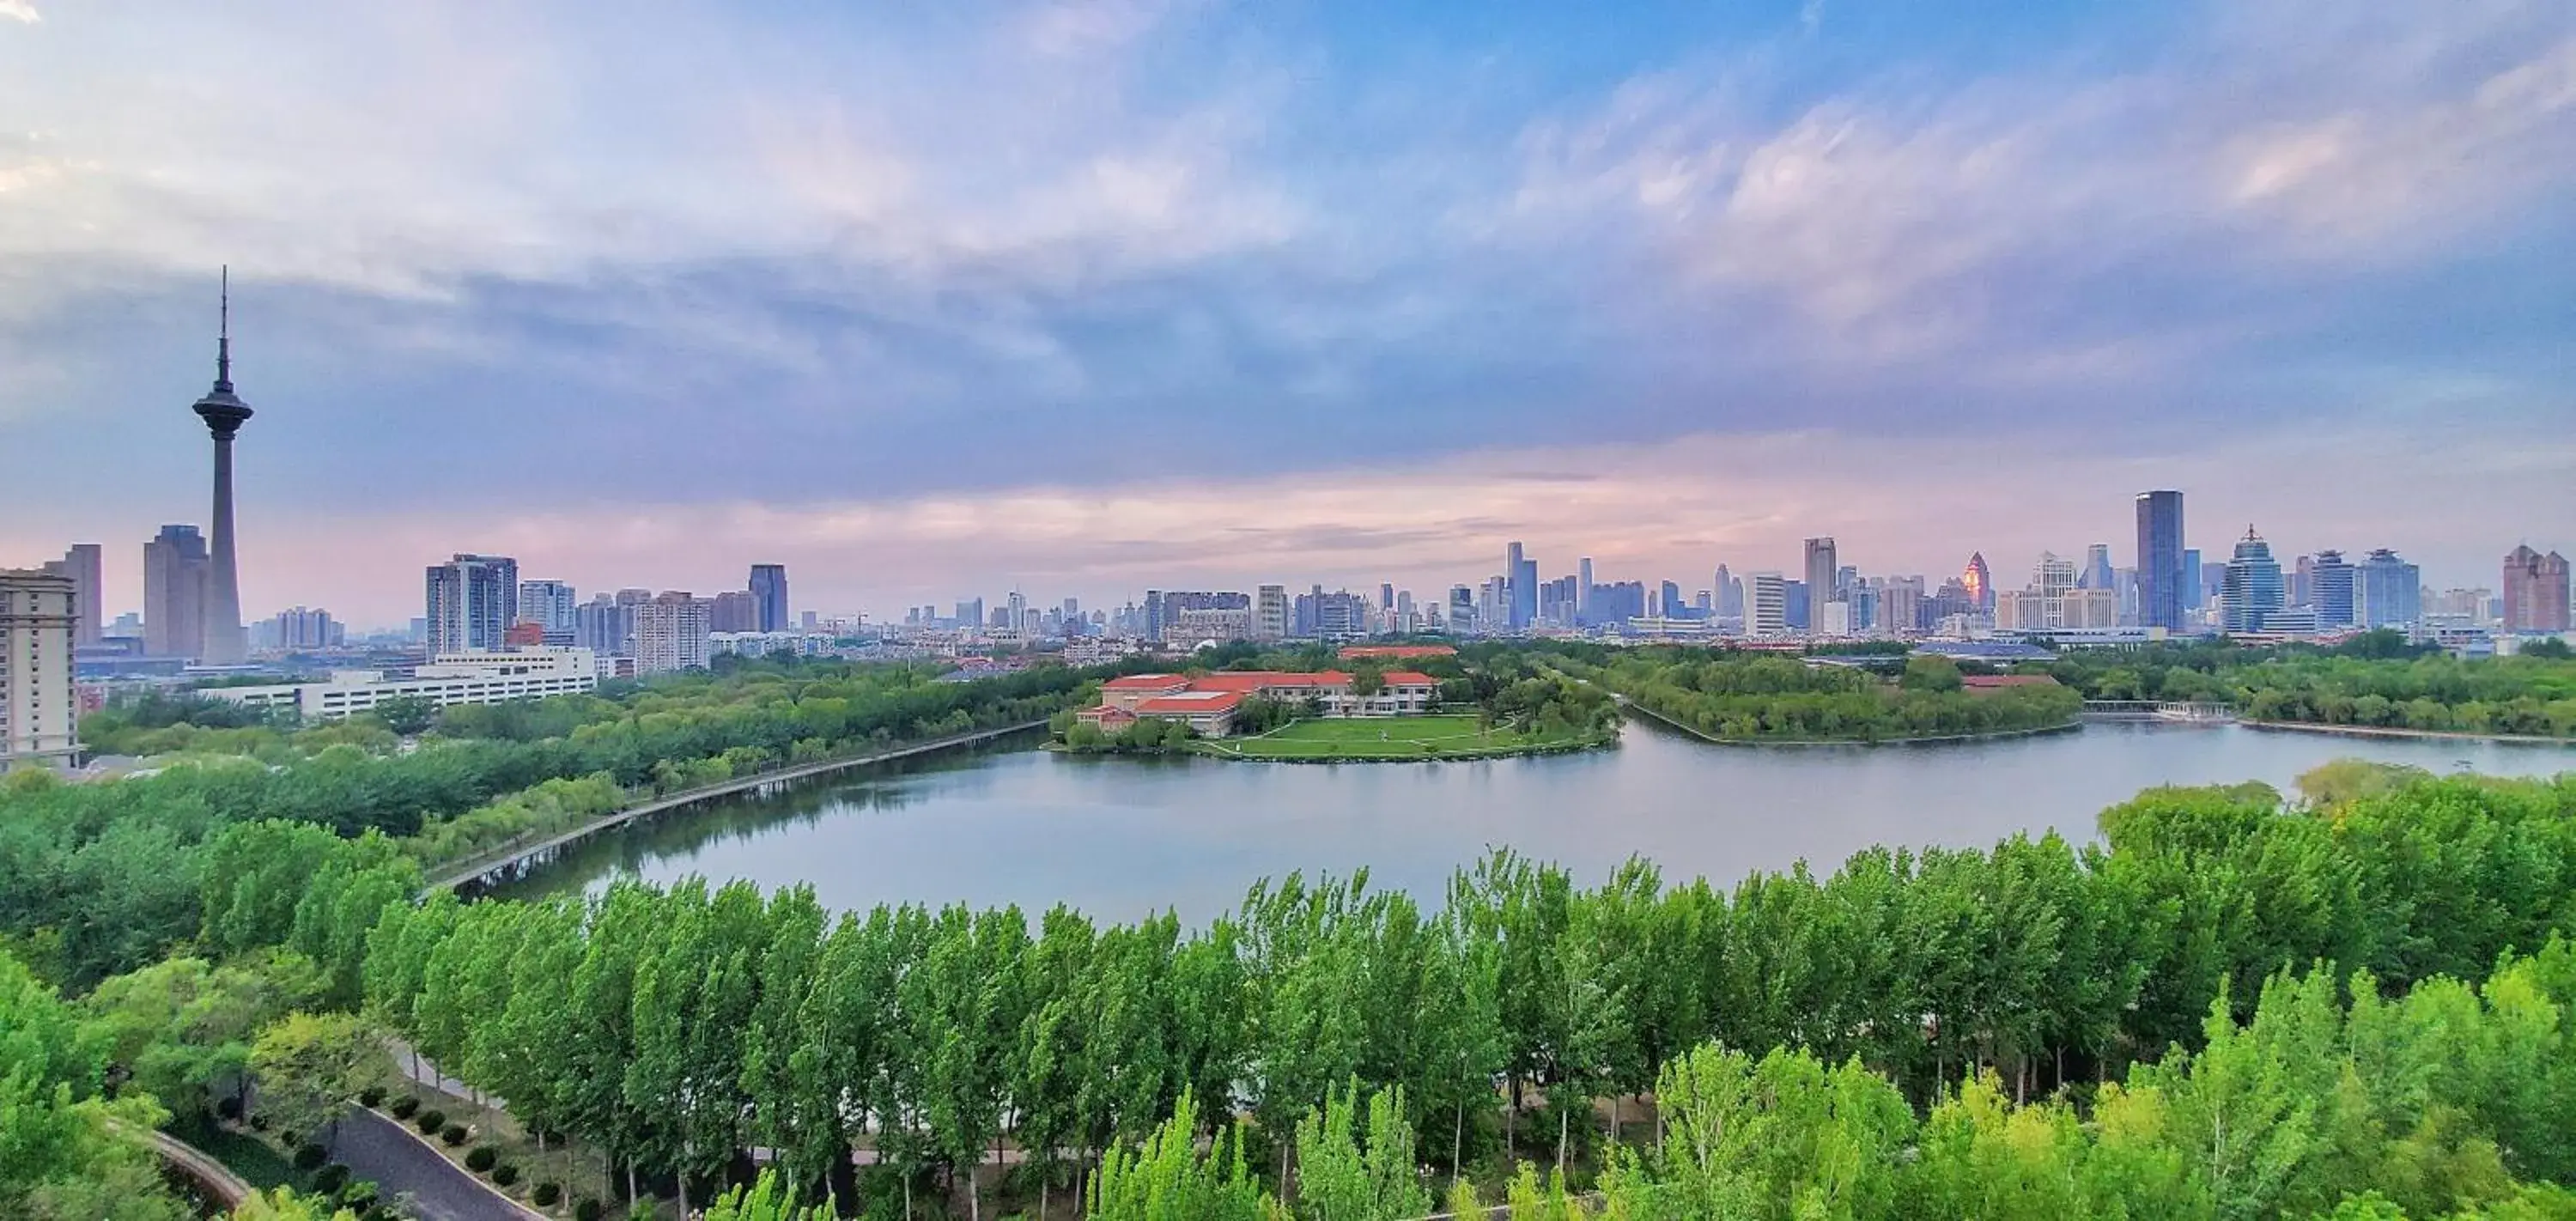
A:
(1391, 739)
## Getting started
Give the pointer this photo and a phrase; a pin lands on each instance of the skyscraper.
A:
(223, 643)
(174, 593)
(733, 610)
(1462, 610)
(1520, 580)
(2388, 591)
(2535, 591)
(2097, 572)
(1270, 613)
(2193, 591)
(1583, 591)
(2253, 589)
(1820, 577)
(769, 593)
(671, 633)
(605, 626)
(2332, 590)
(2167, 571)
(1730, 594)
(471, 601)
(81, 566)
(1980, 583)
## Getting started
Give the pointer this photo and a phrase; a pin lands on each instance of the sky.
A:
(931, 301)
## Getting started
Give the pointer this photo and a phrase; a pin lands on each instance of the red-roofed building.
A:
(1208, 702)
(1396, 652)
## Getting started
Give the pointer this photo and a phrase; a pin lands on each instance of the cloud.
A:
(23, 11)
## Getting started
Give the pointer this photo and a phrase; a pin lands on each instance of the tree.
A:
(310, 1068)
(1166, 1179)
(407, 715)
(1930, 673)
(1341, 1177)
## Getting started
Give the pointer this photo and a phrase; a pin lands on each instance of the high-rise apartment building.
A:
(298, 628)
(1821, 567)
(470, 603)
(734, 611)
(2253, 591)
(1270, 613)
(39, 708)
(671, 633)
(549, 605)
(1766, 611)
(605, 625)
(174, 593)
(769, 597)
(82, 567)
(2535, 591)
(2164, 585)
(2387, 591)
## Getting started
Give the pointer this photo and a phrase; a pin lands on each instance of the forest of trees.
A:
(100, 878)
(2376, 680)
(1774, 698)
(2365, 994)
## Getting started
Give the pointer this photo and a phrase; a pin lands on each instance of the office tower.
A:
(1462, 610)
(605, 626)
(548, 604)
(1386, 596)
(1668, 600)
(1404, 611)
(671, 633)
(2166, 569)
(1799, 604)
(813, 622)
(222, 641)
(2302, 582)
(1730, 594)
(39, 708)
(769, 597)
(1767, 605)
(1821, 568)
(2387, 591)
(2333, 590)
(1270, 616)
(1583, 591)
(1017, 616)
(2253, 587)
(81, 566)
(1520, 581)
(970, 612)
(2535, 591)
(471, 602)
(2097, 572)
(2192, 592)
(1980, 583)
(174, 593)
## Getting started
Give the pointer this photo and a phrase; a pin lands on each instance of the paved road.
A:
(374, 1147)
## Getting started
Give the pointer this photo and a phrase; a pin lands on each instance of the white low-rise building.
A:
(450, 678)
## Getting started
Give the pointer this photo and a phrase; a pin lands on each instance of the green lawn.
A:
(1410, 737)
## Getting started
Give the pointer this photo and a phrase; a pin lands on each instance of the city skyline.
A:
(1635, 294)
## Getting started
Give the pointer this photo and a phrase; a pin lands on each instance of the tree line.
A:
(2375, 680)
(1769, 698)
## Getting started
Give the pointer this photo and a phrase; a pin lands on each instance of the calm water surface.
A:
(1123, 837)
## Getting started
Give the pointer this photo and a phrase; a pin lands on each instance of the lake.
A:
(1121, 837)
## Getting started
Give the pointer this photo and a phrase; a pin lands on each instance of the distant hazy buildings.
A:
(769, 597)
(1520, 580)
(2252, 593)
(2535, 591)
(1821, 570)
(298, 628)
(470, 603)
(2165, 584)
(734, 610)
(39, 709)
(549, 605)
(1766, 604)
(175, 564)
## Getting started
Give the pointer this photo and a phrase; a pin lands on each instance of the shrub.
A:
(360, 1195)
(309, 1156)
(330, 1178)
(505, 1174)
(431, 1121)
(404, 1106)
(228, 1107)
(482, 1158)
(546, 1194)
(371, 1095)
(453, 1135)
(586, 1209)
(259, 1123)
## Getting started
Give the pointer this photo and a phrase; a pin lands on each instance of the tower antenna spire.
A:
(224, 330)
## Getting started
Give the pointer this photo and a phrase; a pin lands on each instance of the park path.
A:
(403, 1168)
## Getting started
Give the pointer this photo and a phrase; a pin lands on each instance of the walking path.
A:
(223, 1188)
(403, 1167)
(494, 863)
